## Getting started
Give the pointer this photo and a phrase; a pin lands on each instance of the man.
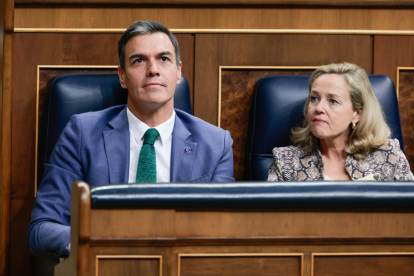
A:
(147, 140)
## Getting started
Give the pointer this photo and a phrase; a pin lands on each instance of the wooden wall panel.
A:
(32, 49)
(241, 266)
(219, 17)
(214, 50)
(128, 266)
(363, 265)
(406, 105)
(7, 26)
(391, 52)
(295, 224)
(236, 115)
(142, 257)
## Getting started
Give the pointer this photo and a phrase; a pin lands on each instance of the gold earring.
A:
(354, 126)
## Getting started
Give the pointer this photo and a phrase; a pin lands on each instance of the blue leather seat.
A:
(278, 108)
(71, 94)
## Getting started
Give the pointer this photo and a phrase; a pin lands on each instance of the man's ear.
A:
(121, 74)
(179, 73)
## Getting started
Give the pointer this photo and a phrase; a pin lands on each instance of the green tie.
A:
(147, 164)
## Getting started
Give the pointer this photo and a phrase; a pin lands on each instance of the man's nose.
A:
(152, 68)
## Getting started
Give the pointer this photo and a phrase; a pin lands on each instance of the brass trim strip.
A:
(208, 255)
(312, 261)
(254, 68)
(221, 31)
(363, 254)
(398, 78)
(279, 3)
(159, 257)
(77, 66)
(39, 67)
(37, 126)
(219, 98)
(357, 254)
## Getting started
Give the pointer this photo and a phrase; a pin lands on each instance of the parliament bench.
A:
(246, 228)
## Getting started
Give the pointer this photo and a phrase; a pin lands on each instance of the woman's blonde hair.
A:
(371, 131)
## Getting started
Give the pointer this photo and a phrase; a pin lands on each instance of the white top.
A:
(326, 177)
(162, 145)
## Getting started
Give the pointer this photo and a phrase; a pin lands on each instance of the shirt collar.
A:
(138, 128)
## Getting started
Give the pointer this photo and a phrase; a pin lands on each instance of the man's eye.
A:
(164, 59)
(138, 60)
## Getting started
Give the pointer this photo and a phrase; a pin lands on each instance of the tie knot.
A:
(150, 136)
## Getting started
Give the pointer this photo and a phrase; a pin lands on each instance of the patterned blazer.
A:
(293, 164)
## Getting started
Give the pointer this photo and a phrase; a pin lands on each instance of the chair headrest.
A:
(71, 94)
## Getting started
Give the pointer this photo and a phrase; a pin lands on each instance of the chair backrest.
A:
(71, 94)
(278, 108)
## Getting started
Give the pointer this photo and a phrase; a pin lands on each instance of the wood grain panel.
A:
(214, 50)
(295, 224)
(241, 265)
(218, 17)
(237, 91)
(6, 153)
(33, 49)
(363, 265)
(406, 105)
(123, 223)
(127, 265)
(7, 26)
(391, 52)
(141, 257)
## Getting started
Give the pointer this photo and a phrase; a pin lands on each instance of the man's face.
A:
(151, 73)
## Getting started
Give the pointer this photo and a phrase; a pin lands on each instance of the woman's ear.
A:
(357, 116)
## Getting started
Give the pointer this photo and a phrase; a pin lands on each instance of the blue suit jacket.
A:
(94, 147)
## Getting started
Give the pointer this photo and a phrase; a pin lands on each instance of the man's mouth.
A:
(153, 84)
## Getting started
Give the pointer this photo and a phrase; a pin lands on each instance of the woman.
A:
(344, 134)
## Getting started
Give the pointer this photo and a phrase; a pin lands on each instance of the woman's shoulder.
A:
(289, 151)
(391, 145)
(293, 163)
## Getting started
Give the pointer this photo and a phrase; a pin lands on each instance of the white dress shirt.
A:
(162, 145)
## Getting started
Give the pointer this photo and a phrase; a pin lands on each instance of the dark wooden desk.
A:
(202, 242)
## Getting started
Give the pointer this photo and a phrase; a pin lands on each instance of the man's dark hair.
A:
(142, 28)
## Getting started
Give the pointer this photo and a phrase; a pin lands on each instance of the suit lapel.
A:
(117, 146)
(183, 153)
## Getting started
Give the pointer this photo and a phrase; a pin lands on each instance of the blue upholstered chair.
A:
(278, 108)
(71, 94)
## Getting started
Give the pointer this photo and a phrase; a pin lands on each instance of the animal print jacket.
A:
(293, 164)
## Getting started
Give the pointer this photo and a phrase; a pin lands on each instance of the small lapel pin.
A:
(187, 150)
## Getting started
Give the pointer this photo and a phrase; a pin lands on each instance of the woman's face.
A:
(330, 112)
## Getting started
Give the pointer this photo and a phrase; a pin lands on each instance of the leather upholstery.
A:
(309, 196)
(71, 94)
(278, 108)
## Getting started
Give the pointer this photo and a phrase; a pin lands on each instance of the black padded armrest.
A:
(305, 196)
